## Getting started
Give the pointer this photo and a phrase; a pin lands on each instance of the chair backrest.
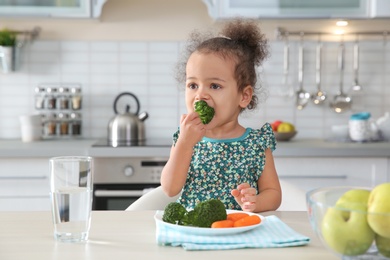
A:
(293, 197)
(155, 199)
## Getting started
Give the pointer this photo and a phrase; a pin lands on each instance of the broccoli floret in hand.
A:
(173, 213)
(206, 113)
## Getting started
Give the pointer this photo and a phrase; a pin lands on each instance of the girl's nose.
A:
(202, 93)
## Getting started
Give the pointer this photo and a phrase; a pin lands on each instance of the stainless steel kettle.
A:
(127, 129)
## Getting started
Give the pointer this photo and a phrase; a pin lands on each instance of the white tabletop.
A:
(131, 235)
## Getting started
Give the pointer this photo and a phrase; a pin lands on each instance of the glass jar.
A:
(50, 124)
(51, 98)
(63, 123)
(40, 97)
(76, 123)
(76, 98)
(359, 127)
(63, 98)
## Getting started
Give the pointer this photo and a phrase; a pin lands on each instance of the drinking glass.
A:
(71, 197)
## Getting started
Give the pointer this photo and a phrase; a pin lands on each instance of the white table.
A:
(131, 235)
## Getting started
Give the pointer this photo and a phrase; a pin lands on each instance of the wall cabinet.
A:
(287, 9)
(51, 9)
(310, 172)
(24, 184)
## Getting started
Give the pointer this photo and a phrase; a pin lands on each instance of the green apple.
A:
(344, 226)
(353, 199)
(379, 209)
(286, 127)
(383, 245)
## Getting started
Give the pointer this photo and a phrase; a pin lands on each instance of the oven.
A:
(118, 182)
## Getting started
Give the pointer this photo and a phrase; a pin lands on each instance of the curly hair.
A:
(239, 40)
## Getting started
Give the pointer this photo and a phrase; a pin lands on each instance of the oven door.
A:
(118, 196)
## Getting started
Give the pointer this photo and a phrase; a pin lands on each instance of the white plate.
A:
(207, 231)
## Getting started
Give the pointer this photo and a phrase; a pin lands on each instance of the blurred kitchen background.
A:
(133, 46)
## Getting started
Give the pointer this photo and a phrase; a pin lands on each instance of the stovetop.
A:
(157, 142)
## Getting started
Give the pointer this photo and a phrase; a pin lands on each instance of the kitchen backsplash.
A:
(107, 68)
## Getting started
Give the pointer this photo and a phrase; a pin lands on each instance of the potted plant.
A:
(8, 42)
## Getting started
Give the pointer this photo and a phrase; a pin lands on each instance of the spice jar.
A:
(76, 123)
(63, 98)
(51, 98)
(76, 98)
(50, 124)
(40, 97)
(63, 123)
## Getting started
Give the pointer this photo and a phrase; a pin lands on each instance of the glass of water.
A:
(71, 197)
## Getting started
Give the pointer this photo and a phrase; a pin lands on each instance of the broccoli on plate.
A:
(206, 113)
(173, 213)
(203, 215)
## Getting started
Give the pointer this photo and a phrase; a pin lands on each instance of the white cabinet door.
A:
(24, 184)
(311, 172)
(52, 9)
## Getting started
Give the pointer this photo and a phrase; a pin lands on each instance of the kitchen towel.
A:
(272, 233)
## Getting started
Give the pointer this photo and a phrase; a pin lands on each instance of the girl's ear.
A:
(246, 96)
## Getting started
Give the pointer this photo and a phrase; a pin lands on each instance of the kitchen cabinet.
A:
(24, 184)
(280, 9)
(313, 172)
(51, 9)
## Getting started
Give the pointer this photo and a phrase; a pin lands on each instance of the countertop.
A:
(293, 148)
(131, 235)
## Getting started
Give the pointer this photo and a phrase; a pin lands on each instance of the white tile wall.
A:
(108, 68)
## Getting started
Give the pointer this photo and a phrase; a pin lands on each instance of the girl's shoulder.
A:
(263, 136)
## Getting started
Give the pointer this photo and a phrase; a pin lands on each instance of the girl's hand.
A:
(192, 129)
(245, 195)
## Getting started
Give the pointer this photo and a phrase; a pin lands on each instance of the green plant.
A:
(7, 38)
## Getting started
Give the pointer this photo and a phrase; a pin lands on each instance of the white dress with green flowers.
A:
(219, 165)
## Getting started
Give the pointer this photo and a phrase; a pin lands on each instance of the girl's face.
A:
(211, 78)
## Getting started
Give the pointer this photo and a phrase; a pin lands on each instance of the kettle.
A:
(127, 129)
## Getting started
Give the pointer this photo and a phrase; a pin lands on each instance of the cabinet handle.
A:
(23, 177)
(313, 176)
(119, 193)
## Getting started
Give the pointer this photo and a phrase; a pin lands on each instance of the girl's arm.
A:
(270, 193)
(174, 173)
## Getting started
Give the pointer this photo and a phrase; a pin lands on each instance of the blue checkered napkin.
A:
(272, 233)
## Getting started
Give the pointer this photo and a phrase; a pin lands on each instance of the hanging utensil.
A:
(320, 96)
(303, 97)
(341, 102)
(287, 89)
(356, 86)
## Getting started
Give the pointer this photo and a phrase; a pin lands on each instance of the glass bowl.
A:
(344, 228)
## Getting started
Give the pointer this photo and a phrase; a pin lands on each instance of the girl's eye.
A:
(215, 86)
(192, 86)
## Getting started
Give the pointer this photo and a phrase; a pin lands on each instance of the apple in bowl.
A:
(283, 131)
(343, 218)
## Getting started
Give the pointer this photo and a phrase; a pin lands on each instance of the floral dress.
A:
(219, 165)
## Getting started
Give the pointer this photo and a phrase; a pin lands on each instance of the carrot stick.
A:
(222, 224)
(237, 215)
(247, 221)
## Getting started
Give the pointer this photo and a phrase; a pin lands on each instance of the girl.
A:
(223, 159)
